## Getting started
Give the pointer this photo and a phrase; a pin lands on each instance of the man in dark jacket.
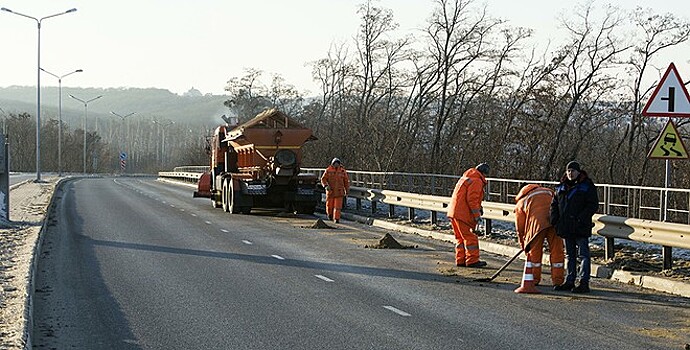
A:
(572, 208)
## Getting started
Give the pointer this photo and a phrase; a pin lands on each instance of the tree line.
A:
(150, 145)
(471, 88)
(467, 88)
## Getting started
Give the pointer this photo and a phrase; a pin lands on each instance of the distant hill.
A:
(192, 108)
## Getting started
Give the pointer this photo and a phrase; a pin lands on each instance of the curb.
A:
(598, 271)
(28, 306)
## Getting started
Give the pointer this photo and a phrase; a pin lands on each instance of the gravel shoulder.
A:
(29, 202)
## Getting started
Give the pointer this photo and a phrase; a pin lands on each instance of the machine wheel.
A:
(234, 208)
(226, 206)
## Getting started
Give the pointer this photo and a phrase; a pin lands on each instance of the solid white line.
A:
(324, 278)
(397, 311)
(278, 257)
(224, 230)
(247, 242)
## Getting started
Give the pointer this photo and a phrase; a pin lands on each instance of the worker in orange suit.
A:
(532, 220)
(337, 185)
(464, 211)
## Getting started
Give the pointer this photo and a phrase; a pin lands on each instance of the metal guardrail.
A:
(647, 203)
(612, 227)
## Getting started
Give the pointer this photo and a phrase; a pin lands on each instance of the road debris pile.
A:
(320, 224)
(388, 242)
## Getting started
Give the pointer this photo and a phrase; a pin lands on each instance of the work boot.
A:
(583, 287)
(477, 264)
(565, 286)
(337, 221)
(330, 217)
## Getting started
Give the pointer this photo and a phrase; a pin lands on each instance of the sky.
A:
(177, 45)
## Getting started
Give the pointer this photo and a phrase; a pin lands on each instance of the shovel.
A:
(489, 279)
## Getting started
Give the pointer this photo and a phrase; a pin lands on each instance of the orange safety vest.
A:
(466, 202)
(532, 210)
(337, 181)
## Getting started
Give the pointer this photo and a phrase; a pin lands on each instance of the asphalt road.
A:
(132, 263)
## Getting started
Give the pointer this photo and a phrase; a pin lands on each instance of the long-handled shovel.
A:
(489, 279)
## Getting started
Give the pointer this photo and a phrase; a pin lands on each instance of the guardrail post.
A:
(487, 227)
(609, 249)
(373, 207)
(358, 203)
(391, 211)
(410, 213)
(667, 256)
(434, 217)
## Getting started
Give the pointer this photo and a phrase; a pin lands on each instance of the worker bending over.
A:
(532, 214)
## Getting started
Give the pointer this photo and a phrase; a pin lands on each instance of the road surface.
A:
(133, 263)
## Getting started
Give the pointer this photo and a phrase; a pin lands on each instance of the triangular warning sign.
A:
(670, 98)
(668, 145)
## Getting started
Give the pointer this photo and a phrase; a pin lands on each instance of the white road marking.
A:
(181, 209)
(278, 257)
(193, 214)
(247, 242)
(324, 278)
(207, 222)
(224, 230)
(396, 310)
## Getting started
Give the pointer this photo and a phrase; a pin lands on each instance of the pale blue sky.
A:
(176, 45)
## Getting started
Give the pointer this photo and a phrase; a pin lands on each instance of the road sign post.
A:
(669, 99)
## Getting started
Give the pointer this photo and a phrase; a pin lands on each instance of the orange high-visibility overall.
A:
(532, 218)
(337, 182)
(464, 211)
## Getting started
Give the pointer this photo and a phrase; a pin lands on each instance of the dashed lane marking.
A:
(207, 222)
(193, 215)
(278, 257)
(247, 242)
(324, 278)
(224, 230)
(396, 310)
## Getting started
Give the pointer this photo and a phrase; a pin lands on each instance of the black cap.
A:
(483, 168)
(573, 165)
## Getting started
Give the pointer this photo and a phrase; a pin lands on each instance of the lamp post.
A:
(122, 139)
(38, 84)
(86, 104)
(60, 114)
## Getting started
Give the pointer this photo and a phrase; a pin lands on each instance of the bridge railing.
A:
(630, 201)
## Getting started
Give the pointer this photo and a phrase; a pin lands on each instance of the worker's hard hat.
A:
(335, 160)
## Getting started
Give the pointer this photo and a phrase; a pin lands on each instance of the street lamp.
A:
(60, 114)
(38, 84)
(122, 139)
(86, 104)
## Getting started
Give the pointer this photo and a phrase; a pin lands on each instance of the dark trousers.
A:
(578, 248)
